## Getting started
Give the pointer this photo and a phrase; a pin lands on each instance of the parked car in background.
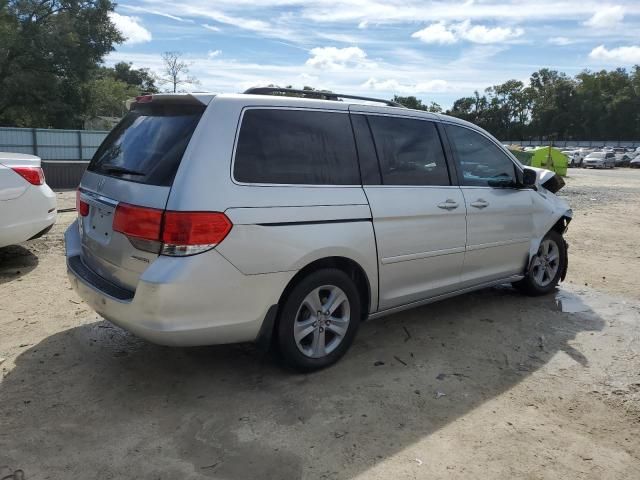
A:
(635, 163)
(27, 204)
(207, 219)
(622, 160)
(574, 157)
(600, 160)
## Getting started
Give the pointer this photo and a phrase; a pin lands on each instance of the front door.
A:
(499, 217)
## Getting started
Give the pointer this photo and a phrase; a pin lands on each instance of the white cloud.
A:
(482, 34)
(608, 17)
(131, 28)
(393, 85)
(446, 34)
(154, 12)
(436, 33)
(335, 58)
(213, 28)
(560, 41)
(214, 53)
(626, 55)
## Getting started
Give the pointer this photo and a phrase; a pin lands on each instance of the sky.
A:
(436, 50)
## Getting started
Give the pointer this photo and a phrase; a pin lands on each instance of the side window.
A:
(296, 147)
(369, 168)
(480, 160)
(409, 151)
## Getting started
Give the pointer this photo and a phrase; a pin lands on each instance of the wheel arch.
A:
(560, 225)
(347, 265)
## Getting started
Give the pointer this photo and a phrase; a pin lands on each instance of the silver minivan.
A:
(277, 218)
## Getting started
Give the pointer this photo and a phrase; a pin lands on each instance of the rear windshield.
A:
(148, 143)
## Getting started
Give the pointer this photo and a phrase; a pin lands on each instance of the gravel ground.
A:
(490, 384)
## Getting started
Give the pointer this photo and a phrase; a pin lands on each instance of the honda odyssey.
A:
(289, 217)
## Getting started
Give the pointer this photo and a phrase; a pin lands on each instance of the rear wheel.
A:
(319, 320)
(546, 266)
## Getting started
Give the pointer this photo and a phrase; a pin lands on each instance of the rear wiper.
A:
(117, 169)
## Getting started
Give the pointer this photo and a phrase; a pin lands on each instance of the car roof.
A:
(352, 105)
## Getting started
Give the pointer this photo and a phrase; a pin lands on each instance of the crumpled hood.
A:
(548, 180)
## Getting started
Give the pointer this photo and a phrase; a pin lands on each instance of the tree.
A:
(416, 104)
(48, 50)
(175, 71)
(141, 78)
(108, 97)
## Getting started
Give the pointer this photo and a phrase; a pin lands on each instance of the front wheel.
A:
(547, 266)
(319, 320)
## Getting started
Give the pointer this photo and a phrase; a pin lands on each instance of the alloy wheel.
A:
(546, 263)
(322, 321)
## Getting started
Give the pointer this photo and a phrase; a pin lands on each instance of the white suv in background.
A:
(27, 204)
(207, 219)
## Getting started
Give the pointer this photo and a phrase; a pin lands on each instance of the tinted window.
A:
(148, 143)
(369, 167)
(409, 151)
(480, 159)
(296, 147)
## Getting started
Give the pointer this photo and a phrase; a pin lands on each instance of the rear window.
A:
(296, 147)
(148, 143)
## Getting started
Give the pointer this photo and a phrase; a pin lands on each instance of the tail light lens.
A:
(82, 207)
(171, 233)
(33, 175)
(138, 222)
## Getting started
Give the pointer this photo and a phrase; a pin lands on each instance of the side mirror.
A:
(529, 178)
(501, 183)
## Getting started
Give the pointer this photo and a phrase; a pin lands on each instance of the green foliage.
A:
(141, 79)
(601, 105)
(108, 89)
(49, 50)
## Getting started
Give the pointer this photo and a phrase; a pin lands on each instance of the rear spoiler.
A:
(194, 99)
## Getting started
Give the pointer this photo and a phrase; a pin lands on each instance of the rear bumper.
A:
(199, 300)
(29, 216)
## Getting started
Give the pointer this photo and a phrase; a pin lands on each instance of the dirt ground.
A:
(488, 385)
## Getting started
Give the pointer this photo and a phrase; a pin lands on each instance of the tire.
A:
(544, 273)
(327, 337)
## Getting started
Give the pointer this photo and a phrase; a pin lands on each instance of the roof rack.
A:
(319, 95)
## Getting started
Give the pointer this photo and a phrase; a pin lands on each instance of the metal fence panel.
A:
(64, 153)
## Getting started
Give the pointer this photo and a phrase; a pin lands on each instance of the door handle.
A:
(480, 203)
(448, 204)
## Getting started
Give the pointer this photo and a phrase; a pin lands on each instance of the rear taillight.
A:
(82, 207)
(33, 175)
(138, 222)
(171, 233)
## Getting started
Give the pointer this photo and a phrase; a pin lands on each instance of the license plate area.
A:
(98, 225)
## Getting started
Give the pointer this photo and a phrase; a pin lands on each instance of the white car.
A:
(574, 157)
(27, 204)
(600, 160)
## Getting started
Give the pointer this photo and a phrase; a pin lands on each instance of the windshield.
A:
(148, 143)
(596, 155)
